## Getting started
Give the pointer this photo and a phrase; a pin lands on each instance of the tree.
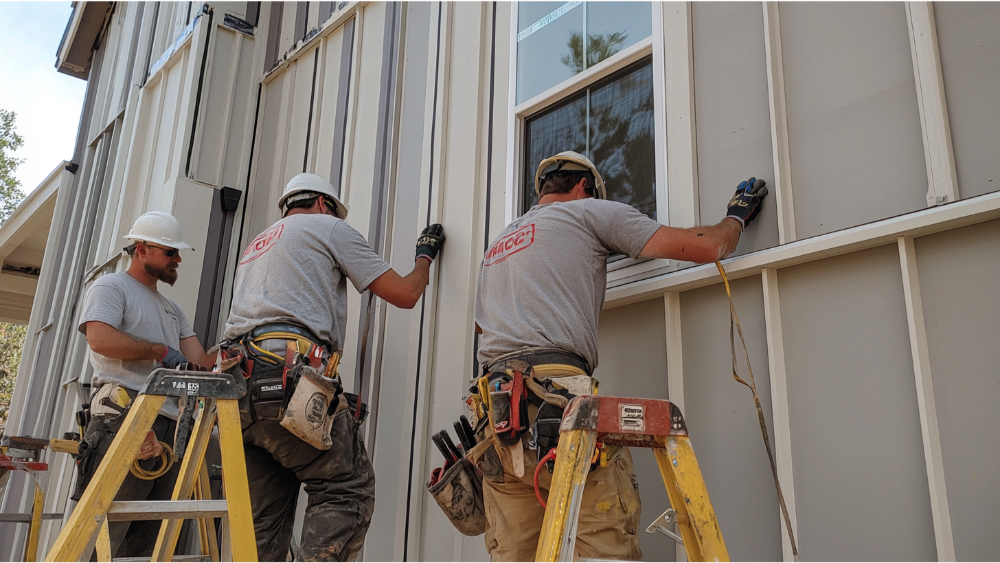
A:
(599, 47)
(10, 187)
(11, 342)
(11, 335)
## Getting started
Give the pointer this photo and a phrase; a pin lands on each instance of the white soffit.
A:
(22, 245)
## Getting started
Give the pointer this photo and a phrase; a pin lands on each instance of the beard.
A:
(166, 274)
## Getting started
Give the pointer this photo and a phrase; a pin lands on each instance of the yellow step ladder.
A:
(637, 423)
(209, 395)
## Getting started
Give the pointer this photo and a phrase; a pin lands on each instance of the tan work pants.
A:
(609, 513)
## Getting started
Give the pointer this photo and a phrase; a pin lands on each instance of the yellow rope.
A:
(167, 455)
(734, 319)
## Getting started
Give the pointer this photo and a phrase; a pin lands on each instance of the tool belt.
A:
(547, 378)
(299, 387)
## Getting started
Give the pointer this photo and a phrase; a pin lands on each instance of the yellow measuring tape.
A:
(734, 320)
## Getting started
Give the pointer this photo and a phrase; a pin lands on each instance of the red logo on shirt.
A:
(262, 244)
(510, 244)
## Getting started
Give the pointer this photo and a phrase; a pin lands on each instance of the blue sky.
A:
(47, 102)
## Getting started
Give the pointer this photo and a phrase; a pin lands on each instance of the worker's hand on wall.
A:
(172, 358)
(430, 242)
(746, 202)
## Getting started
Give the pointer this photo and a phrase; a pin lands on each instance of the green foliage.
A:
(11, 342)
(11, 335)
(599, 47)
(10, 187)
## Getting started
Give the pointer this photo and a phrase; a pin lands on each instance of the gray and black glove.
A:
(746, 202)
(430, 242)
(172, 358)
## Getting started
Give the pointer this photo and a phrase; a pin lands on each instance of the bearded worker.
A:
(132, 329)
(538, 301)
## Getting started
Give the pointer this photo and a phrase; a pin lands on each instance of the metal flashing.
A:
(176, 46)
(237, 24)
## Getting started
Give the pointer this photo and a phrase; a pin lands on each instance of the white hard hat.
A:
(158, 227)
(569, 161)
(312, 183)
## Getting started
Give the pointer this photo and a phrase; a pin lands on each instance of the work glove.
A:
(172, 358)
(746, 202)
(430, 242)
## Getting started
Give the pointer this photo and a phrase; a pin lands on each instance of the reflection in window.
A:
(550, 39)
(612, 124)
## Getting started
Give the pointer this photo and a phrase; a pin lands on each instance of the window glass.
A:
(613, 26)
(612, 124)
(550, 39)
(621, 138)
(562, 129)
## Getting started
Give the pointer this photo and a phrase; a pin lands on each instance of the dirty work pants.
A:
(609, 513)
(340, 483)
(133, 539)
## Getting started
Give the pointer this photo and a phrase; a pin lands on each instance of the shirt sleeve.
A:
(356, 259)
(105, 302)
(185, 328)
(620, 228)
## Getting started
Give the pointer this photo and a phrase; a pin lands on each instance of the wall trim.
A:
(933, 456)
(918, 223)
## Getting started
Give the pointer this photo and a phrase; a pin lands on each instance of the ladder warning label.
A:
(631, 418)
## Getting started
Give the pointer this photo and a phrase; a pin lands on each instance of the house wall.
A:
(863, 288)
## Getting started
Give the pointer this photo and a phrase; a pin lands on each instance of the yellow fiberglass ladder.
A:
(210, 395)
(643, 423)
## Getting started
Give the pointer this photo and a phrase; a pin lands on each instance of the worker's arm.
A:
(708, 244)
(404, 292)
(110, 342)
(699, 244)
(194, 352)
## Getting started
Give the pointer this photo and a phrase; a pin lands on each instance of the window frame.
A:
(517, 120)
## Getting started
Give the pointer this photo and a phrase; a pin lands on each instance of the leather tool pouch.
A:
(508, 406)
(312, 402)
(352, 405)
(458, 490)
(86, 462)
(266, 393)
(545, 428)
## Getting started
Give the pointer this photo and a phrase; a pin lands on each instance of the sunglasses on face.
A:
(168, 252)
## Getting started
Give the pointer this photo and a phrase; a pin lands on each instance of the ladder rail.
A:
(82, 525)
(170, 530)
(220, 392)
(652, 423)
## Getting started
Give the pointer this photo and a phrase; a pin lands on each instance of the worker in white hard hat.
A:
(538, 301)
(290, 307)
(132, 329)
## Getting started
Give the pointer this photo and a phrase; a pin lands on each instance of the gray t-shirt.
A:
(294, 272)
(122, 302)
(542, 282)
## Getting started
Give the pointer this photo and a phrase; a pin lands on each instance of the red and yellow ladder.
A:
(637, 423)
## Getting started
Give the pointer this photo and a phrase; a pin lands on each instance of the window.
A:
(612, 123)
(550, 39)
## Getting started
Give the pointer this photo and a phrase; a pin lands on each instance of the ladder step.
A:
(175, 558)
(165, 509)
